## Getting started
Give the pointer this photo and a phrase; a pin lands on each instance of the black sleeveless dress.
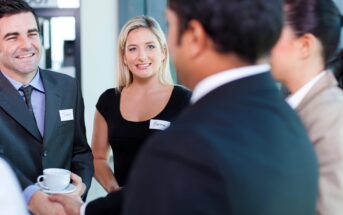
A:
(127, 137)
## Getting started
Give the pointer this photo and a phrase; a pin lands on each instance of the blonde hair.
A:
(124, 75)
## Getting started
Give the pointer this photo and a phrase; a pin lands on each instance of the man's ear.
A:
(195, 38)
(306, 44)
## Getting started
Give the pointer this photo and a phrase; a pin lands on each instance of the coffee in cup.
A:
(54, 179)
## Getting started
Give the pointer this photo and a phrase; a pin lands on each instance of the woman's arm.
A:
(100, 146)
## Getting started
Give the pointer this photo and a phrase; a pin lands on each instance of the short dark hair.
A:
(12, 7)
(248, 28)
(321, 18)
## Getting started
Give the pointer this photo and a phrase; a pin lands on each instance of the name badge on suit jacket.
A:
(66, 115)
(159, 124)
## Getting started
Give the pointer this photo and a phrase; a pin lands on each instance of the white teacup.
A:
(54, 179)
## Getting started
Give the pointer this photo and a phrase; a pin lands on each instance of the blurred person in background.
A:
(239, 148)
(309, 41)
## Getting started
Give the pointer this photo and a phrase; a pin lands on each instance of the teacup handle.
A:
(39, 181)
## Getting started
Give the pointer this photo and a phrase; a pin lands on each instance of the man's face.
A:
(20, 45)
(176, 47)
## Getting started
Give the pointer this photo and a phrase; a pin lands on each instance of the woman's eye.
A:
(151, 46)
(132, 49)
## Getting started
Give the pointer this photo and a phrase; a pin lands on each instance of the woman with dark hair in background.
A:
(300, 61)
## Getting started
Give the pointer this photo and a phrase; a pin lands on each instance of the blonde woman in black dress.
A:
(145, 101)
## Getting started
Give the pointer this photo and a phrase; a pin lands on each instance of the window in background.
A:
(58, 38)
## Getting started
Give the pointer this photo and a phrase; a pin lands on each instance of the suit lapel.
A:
(328, 80)
(52, 105)
(12, 103)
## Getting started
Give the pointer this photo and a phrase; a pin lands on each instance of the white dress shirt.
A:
(11, 199)
(214, 81)
(295, 99)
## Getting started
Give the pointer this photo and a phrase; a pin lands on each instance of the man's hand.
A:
(80, 187)
(41, 205)
(71, 203)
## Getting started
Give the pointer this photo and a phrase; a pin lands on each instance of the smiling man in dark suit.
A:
(239, 149)
(41, 112)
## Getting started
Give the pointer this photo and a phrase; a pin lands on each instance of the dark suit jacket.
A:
(64, 144)
(110, 204)
(239, 150)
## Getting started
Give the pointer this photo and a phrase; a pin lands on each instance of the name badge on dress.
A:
(66, 115)
(159, 124)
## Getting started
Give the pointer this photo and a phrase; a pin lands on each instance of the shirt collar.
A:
(295, 99)
(214, 81)
(36, 82)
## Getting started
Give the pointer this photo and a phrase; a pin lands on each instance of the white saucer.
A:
(69, 189)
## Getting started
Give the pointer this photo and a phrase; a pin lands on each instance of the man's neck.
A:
(216, 64)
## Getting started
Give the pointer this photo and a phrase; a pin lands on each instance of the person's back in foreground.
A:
(239, 148)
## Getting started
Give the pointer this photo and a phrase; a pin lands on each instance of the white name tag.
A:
(66, 115)
(159, 124)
